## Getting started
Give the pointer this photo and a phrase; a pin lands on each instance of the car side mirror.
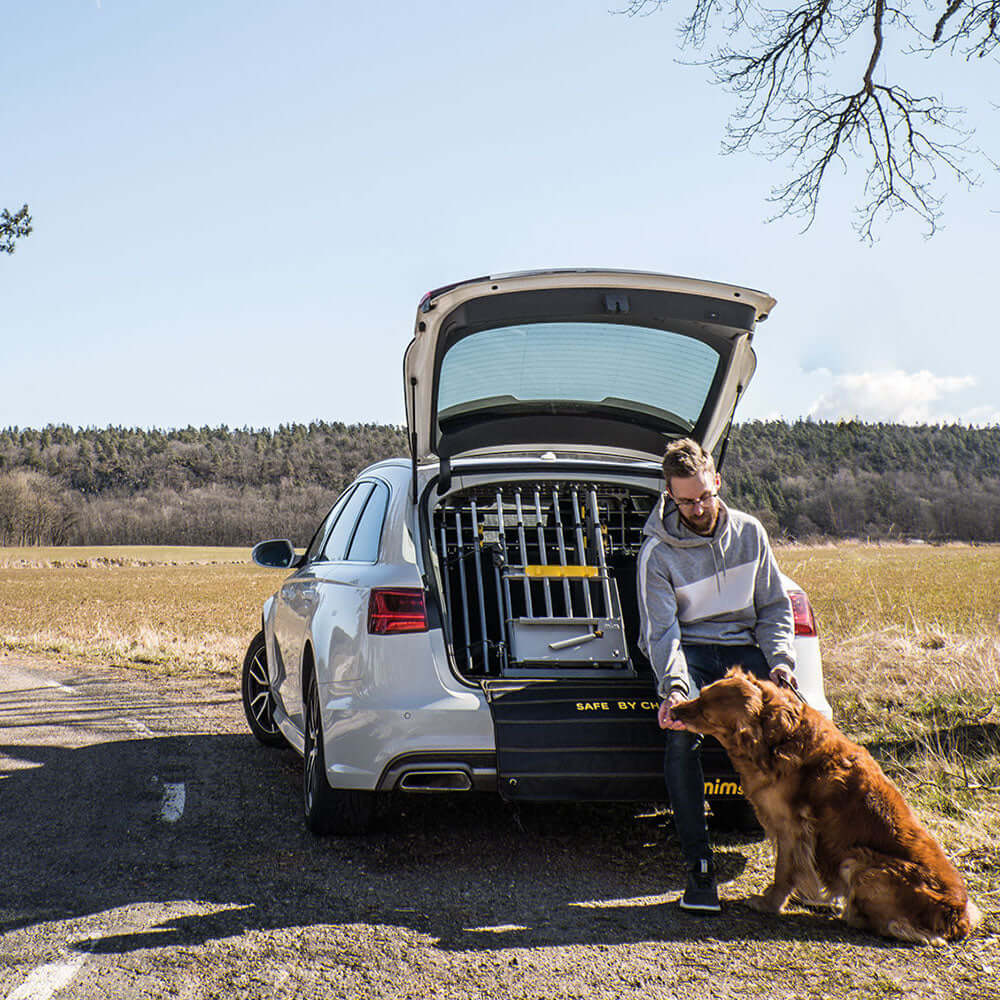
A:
(277, 553)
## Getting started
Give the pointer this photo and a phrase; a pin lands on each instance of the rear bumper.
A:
(438, 772)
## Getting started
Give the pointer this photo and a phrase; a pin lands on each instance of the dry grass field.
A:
(910, 637)
(162, 608)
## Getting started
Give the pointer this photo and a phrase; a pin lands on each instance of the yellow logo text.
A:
(717, 786)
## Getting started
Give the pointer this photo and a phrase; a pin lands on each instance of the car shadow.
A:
(84, 833)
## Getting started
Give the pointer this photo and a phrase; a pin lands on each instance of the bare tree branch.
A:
(976, 34)
(945, 17)
(791, 70)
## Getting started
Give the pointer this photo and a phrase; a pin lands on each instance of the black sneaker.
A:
(700, 895)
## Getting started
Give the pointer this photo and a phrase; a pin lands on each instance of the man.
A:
(710, 597)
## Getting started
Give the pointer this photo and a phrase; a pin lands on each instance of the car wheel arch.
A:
(308, 669)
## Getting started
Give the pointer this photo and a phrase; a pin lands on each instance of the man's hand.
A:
(665, 715)
(784, 677)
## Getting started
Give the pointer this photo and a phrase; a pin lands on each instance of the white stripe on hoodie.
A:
(724, 589)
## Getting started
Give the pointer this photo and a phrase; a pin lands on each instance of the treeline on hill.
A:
(196, 486)
(216, 486)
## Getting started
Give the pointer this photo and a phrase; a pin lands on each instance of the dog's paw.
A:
(816, 901)
(765, 904)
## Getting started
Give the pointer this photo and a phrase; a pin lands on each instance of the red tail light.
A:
(392, 610)
(805, 621)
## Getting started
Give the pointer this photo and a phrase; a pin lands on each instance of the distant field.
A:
(169, 608)
(120, 555)
(856, 588)
(902, 621)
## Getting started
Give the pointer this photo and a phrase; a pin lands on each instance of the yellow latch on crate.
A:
(558, 572)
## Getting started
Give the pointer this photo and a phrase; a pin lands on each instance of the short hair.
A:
(684, 458)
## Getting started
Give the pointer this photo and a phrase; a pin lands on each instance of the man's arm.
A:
(775, 628)
(659, 629)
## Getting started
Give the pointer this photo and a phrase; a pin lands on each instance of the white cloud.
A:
(898, 397)
(982, 415)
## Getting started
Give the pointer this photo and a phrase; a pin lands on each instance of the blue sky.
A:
(238, 205)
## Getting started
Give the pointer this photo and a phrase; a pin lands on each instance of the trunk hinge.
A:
(729, 427)
(413, 434)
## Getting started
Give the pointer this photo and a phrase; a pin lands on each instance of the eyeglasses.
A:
(703, 501)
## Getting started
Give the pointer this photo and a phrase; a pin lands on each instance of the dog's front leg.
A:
(776, 895)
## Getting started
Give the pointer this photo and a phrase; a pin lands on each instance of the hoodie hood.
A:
(664, 522)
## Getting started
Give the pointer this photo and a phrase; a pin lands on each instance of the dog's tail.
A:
(962, 922)
(973, 916)
(895, 902)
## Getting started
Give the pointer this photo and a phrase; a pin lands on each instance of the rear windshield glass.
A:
(655, 371)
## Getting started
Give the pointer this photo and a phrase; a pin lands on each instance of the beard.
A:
(703, 523)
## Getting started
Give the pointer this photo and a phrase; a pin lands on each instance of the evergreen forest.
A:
(217, 486)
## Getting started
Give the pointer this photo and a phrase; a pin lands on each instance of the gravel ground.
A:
(463, 897)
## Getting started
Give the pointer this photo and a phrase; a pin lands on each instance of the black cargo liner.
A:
(568, 741)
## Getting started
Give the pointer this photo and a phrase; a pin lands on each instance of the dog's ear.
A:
(779, 716)
(747, 741)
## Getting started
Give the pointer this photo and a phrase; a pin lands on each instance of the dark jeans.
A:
(682, 767)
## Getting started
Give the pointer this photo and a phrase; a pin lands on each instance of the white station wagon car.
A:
(465, 617)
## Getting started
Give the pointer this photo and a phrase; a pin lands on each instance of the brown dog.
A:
(841, 830)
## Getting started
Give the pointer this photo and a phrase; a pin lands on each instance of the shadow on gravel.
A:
(84, 833)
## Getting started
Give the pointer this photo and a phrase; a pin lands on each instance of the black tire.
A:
(735, 814)
(328, 810)
(258, 702)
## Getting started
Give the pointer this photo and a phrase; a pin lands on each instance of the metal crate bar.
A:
(567, 589)
(523, 548)
(476, 546)
(581, 550)
(542, 554)
(595, 516)
(462, 581)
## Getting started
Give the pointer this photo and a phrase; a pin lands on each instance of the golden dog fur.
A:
(841, 830)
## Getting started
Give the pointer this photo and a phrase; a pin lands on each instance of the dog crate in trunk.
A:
(539, 579)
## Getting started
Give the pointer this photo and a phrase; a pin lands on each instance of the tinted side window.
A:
(324, 529)
(343, 530)
(364, 547)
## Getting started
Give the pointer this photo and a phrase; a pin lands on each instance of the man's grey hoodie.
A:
(724, 589)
